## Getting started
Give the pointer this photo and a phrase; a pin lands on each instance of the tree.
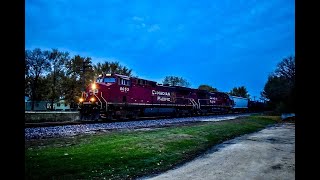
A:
(36, 65)
(240, 92)
(43, 90)
(87, 72)
(79, 74)
(287, 69)
(72, 89)
(175, 81)
(207, 88)
(280, 86)
(58, 61)
(110, 68)
(50, 75)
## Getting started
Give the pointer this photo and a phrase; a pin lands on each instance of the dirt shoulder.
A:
(267, 154)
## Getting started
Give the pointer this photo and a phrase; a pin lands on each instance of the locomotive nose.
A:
(93, 89)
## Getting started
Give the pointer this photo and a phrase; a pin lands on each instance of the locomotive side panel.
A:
(220, 102)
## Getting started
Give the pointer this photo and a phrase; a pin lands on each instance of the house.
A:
(61, 106)
(38, 105)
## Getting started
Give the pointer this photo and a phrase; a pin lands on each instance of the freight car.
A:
(115, 96)
(257, 106)
(241, 104)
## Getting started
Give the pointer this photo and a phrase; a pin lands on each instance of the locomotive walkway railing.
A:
(194, 103)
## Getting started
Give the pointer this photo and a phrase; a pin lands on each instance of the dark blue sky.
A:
(224, 44)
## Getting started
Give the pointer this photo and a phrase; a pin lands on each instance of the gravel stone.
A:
(72, 130)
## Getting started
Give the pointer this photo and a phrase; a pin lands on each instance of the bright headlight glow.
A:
(93, 86)
(81, 99)
(92, 99)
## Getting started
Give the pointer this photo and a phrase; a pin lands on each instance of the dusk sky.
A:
(224, 44)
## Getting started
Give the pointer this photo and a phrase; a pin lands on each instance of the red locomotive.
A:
(118, 96)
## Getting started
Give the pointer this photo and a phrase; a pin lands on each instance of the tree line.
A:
(51, 75)
(179, 81)
(279, 89)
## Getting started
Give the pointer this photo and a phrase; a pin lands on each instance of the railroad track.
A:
(66, 129)
(64, 123)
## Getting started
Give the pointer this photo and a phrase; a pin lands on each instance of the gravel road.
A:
(267, 154)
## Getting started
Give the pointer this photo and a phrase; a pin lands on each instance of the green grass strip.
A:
(132, 153)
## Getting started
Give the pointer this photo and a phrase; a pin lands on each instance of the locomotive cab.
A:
(95, 101)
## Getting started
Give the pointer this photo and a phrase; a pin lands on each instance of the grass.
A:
(132, 153)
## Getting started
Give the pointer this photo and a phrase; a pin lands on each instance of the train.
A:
(116, 96)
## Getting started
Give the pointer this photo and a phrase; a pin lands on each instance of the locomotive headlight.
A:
(92, 99)
(93, 86)
(81, 99)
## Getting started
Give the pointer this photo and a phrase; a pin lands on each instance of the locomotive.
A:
(116, 96)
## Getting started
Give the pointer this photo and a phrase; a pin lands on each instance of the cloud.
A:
(136, 18)
(153, 28)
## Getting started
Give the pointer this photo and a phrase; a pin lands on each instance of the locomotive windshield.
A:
(106, 80)
(109, 80)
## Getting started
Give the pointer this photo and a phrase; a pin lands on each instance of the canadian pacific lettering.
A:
(154, 92)
(213, 100)
(162, 96)
(159, 98)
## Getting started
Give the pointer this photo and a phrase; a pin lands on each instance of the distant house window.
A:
(58, 104)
